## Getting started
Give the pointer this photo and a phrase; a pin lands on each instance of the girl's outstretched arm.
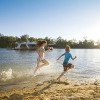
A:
(47, 50)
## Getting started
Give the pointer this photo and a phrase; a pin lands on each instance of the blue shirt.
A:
(67, 56)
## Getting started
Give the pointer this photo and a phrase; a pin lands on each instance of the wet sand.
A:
(49, 89)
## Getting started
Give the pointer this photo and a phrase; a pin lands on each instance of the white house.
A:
(27, 45)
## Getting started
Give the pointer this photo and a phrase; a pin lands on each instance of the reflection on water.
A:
(87, 64)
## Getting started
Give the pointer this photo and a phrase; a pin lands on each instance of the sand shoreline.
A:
(52, 90)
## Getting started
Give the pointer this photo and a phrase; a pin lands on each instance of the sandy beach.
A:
(49, 89)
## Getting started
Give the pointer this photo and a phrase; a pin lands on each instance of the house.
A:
(25, 45)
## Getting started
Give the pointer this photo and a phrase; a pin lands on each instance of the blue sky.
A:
(70, 19)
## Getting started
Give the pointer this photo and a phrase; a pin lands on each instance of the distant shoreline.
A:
(60, 43)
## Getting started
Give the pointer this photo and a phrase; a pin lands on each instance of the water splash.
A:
(6, 75)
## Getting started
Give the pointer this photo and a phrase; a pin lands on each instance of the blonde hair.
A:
(67, 49)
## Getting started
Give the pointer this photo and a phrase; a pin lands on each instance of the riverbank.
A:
(49, 89)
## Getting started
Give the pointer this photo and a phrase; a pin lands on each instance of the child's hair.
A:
(67, 49)
(41, 42)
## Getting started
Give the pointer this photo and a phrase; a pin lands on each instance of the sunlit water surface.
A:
(16, 64)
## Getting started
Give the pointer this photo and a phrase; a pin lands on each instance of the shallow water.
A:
(18, 65)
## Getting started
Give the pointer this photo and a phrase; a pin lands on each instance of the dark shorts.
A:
(67, 66)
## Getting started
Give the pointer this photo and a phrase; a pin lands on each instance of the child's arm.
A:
(60, 56)
(47, 50)
(73, 58)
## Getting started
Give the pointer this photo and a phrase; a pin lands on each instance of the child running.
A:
(41, 51)
(66, 65)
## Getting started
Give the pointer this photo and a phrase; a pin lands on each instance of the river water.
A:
(17, 64)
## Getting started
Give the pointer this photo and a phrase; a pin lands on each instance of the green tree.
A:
(6, 41)
(32, 39)
(24, 38)
(60, 43)
(49, 40)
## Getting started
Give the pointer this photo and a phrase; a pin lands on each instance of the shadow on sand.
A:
(36, 93)
(47, 87)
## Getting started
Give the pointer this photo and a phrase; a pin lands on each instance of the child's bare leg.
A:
(65, 70)
(61, 75)
(45, 63)
(37, 66)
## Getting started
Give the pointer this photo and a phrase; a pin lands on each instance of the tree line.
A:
(9, 42)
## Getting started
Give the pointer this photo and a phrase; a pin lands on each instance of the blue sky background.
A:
(40, 18)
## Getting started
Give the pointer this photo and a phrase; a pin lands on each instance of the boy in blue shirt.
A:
(66, 65)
